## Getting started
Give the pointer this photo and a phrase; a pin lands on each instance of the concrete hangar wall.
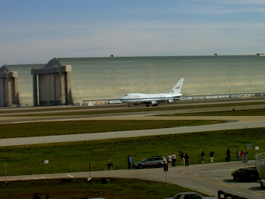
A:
(71, 80)
(16, 84)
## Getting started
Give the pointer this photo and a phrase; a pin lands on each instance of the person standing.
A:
(228, 152)
(110, 164)
(202, 157)
(129, 161)
(186, 157)
(237, 155)
(211, 156)
(182, 157)
(174, 159)
(169, 160)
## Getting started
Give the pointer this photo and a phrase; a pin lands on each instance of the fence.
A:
(260, 164)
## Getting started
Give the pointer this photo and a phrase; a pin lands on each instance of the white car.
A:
(189, 195)
(262, 183)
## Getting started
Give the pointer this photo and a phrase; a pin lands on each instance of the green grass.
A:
(248, 112)
(76, 156)
(90, 126)
(79, 188)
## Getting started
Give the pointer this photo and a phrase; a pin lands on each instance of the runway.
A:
(207, 178)
(235, 123)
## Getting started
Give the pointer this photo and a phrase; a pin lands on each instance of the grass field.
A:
(79, 188)
(90, 126)
(76, 156)
(249, 112)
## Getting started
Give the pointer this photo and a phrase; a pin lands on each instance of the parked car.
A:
(190, 195)
(246, 174)
(157, 161)
(262, 183)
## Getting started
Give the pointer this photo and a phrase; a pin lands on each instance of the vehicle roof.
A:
(156, 156)
(188, 193)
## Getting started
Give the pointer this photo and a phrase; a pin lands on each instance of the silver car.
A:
(190, 195)
(157, 161)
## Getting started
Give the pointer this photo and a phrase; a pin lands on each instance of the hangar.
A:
(16, 84)
(71, 80)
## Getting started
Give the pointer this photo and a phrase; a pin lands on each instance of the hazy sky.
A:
(35, 31)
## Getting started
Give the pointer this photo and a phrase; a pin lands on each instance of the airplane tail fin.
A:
(175, 91)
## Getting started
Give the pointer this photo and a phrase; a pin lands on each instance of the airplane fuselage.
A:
(154, 99)
(138, 98)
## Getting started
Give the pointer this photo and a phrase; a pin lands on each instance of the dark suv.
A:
(246, 174)
(157, 161)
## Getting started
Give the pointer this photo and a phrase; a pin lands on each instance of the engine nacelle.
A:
(170, 101)
(154, 102)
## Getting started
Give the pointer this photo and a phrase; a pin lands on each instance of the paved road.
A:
(206, 178)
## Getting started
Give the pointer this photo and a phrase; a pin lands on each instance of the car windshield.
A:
(192, 196)
(147, 159)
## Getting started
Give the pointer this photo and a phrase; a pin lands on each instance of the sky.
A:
(35, 31)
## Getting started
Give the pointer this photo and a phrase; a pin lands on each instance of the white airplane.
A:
(154, 99)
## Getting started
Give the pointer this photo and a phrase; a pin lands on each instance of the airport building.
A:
(65, 81)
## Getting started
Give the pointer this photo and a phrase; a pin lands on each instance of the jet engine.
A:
(170, 101)
(154, 102)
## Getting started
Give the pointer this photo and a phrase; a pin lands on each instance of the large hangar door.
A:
(49, 89)
(52, 87)
(2, 93)
(8, 89)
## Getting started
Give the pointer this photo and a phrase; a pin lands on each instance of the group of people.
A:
(202, 154)
(184, 158)
(172, 159)
(129, 162)
(239, 155)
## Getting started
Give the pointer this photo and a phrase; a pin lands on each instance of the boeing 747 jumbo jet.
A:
(154, 99)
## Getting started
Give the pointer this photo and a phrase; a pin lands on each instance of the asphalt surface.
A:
(207, 178)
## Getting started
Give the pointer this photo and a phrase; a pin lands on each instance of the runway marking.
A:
(70, 176)
(199, 178)
(260, 194)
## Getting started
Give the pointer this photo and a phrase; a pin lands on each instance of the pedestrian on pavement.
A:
(237, 155)
(129, 161)
(243, 153)
(211, 156)
(228, 152)
(169, 160)
(182, 158)
(110, 164)
(202, 157)
(174, 159)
